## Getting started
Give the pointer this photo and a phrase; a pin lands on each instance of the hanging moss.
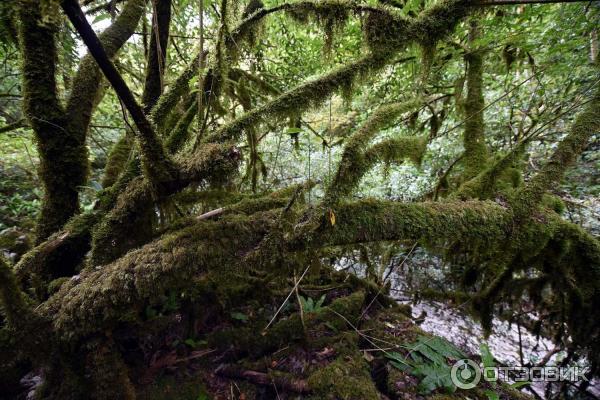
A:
(396, 150)
(331, 15)
(353, 168)
(388, 31)
(178, 88)
(304, 97)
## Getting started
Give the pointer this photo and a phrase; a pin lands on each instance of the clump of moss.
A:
(347, 377)
(386, 31)
(553, 203)
(126, 226)
(332, 15)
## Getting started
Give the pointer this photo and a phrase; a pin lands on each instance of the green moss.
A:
(167, 102)
(387, 31)
(331, 15)
(62, 162)
(102, 297)
(61, 133)
(13, 302)
(117, 160)
(60, 255)
(180, 133)
(503, 175)
(55, 285)
(567, 152)
(126, 226)
(304, 97)
(553, 202)
(476, 152)
(107, 373)
(356, 161)
(347, 377)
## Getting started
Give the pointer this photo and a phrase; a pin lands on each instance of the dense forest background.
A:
(225, 199)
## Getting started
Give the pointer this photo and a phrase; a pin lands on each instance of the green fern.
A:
(427, 359)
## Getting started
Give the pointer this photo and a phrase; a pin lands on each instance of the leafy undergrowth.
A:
(336, 337)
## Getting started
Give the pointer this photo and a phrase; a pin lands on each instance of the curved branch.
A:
(356, 162)
(585, 125)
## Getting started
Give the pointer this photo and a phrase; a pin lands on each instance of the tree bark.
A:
(157, 53)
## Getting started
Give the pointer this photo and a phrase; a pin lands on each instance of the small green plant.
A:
(428, 359)
(239, 316)
(310, 306)
(487, 360)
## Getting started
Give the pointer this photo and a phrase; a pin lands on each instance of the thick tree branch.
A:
(156, 164)
(61, 161)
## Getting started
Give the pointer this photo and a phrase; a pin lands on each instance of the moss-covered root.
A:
(108, 374)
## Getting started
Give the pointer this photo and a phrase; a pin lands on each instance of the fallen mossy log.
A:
(99, 297)
(111, 297)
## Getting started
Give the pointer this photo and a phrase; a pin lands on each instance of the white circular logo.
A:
(465, 374)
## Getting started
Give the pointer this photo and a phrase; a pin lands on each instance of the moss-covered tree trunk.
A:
(476, 152)
(61, 131)
(63, 157)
